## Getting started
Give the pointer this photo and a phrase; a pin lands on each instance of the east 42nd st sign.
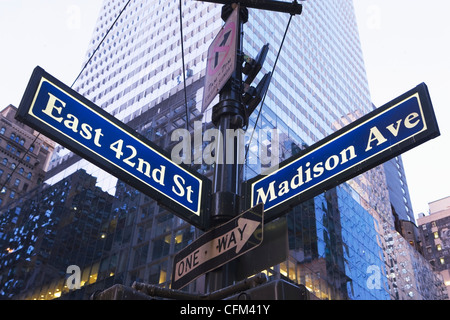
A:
(62, 114)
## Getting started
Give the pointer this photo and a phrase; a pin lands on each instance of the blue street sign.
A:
(375, 138)
(62, 114)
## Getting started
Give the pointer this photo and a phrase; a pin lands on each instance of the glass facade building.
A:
(435, 239)
(343, 244)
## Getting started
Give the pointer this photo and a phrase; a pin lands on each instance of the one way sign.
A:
(218, 246)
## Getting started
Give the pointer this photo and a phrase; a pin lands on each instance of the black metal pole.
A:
(228, 115)
(229, 118)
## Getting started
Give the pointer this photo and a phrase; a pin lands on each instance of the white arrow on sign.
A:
(235, 238)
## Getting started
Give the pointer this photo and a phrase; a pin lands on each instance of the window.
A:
(17, 182)
(438, 247)
(2, 130)
(436, 234)
(5, 161)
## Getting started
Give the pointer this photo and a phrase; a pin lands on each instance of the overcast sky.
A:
(405, 42)
(53, 34)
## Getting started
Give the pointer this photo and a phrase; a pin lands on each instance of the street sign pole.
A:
(227, 179)
(228, 114)
(231, 114)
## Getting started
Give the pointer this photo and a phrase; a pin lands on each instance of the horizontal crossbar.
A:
(271, 5)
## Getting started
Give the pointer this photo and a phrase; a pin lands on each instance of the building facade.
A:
(25, 156)
(435, 237)
(342, 245)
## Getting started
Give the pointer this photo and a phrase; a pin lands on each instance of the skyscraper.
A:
(341, 243)
(434, 236)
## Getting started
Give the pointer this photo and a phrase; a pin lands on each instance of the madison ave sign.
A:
(62, 114)
(388, 131)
